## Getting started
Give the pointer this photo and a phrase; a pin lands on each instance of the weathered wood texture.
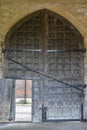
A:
(48, 43)
(5, 99)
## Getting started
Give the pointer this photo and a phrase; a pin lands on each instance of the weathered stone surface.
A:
(45, 126)
(11, 11)
(75, 11)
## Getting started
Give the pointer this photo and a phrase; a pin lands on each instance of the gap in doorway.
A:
(23, 100)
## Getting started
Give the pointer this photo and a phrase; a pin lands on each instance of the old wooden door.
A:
(48, 43)
(5, 99)
(63, 59)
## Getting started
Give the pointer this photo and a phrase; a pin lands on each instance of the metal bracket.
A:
(36, 50)
(44, 113)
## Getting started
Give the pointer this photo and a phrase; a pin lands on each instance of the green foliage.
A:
(22, 102)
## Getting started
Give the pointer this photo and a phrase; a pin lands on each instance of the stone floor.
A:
(45, 126)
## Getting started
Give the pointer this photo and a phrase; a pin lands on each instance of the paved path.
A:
(23, 112)
(45, 126)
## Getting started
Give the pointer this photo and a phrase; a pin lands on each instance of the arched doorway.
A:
(47, 49)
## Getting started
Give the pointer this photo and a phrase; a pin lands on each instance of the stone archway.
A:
(51, 45)
(26, 11)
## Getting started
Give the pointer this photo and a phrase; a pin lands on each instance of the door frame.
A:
(13, 103)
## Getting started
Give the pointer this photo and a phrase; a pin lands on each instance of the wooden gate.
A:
(5, 99)
(48, 43)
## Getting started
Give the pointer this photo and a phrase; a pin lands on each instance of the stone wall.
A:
(1, 62)
(11, 11)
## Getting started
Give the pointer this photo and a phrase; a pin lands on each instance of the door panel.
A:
(48, 43)
(63, 102)
(37, 99)
(5, 99)
(12, 104)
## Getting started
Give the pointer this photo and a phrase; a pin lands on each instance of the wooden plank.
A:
(5, 94)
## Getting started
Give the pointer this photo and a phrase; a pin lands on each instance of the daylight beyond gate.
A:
(48, 43)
